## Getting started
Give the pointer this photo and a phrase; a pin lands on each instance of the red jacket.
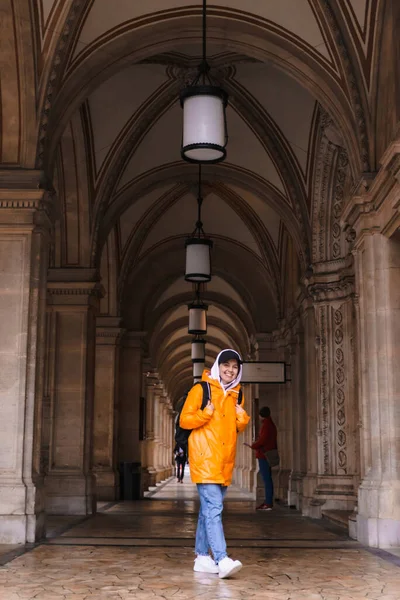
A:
(267, 440)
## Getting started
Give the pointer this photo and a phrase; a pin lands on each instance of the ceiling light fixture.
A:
(205, 133)
(197, 316)
(198, 248)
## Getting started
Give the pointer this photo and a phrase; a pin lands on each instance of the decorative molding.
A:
(60, 59)
(71, 289)
(342, 168)
(330, 291)
(353, 85)
(324, 388)
(340, 393)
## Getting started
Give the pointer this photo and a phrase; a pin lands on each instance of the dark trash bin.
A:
(130, 474)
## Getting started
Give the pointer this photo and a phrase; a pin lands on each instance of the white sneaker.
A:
(205, 564)
(228, 567)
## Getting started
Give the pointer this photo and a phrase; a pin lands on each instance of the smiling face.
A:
(228, 371)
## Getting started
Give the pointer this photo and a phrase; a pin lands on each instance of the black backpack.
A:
(182, 435)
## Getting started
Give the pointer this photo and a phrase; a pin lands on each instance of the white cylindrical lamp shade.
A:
(204, 124)
(198, 368)
(198, 350)
(198, 261)
(197, 319)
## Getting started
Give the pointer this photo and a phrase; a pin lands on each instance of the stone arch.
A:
(243, 36)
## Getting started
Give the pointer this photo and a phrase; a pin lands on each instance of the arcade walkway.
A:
(143, 550)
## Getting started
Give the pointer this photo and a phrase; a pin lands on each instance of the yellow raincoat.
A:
(212, 443)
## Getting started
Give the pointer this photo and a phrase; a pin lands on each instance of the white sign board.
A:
(264, 372)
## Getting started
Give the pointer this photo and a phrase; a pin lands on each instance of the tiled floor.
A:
(144, 550)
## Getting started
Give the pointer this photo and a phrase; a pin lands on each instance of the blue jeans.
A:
(210, 533)
(265, 471)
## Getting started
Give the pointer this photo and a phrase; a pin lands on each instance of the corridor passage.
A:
(144, 550)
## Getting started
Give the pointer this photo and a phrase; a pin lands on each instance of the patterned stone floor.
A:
(144, 550)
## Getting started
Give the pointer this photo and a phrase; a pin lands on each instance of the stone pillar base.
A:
(295, 491)
(281, 483)
(378, 519)
(378, 533)
(107, 484)
(152, 476)
(70, 494)
(332, 492)
(22, 529)
(17, 526)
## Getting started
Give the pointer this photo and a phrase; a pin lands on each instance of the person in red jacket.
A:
(267, 440)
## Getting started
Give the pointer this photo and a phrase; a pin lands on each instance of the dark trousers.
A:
(266, 474)
(180, 468)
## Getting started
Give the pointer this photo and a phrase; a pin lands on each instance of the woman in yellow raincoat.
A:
(212, 450)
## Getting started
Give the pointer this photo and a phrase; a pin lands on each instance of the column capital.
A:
(134, 339)
(73, 287)
(108, 331)
(331, 281)
(24, 206)
(375, 204)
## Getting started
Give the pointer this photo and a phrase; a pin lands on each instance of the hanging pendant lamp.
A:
(197, 316)
(198, 349)
(198, 248)
(205, 134)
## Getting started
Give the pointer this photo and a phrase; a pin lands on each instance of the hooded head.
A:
(223, 357)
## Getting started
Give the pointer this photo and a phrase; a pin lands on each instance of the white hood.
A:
(215, 372)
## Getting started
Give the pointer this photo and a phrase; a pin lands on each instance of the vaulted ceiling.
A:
(108, 135)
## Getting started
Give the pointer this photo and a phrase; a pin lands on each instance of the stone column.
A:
(131, 355)
(299, 419)
(157, 432)
(337, 412)
(24, 243)
(150, 468)
(372, 223)
(108, 336)
(164, 425)
(171, 438)
(73, 298)
(244, 473)
(271, 348)
(281, 412)
(311, 405)
(378, 286)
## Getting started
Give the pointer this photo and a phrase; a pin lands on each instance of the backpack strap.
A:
(206, 393)
(240, 397)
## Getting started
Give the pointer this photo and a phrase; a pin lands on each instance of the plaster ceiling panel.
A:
(217, 216)
(45, 8)
(244, 149)
(220, 286)
(133, 214)
(296, 17)
(178, 313)
(214, 311)
(114, 102)
(161, 145)
(268, 216)
(360, 10)
(275, 91)
(180, 286)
